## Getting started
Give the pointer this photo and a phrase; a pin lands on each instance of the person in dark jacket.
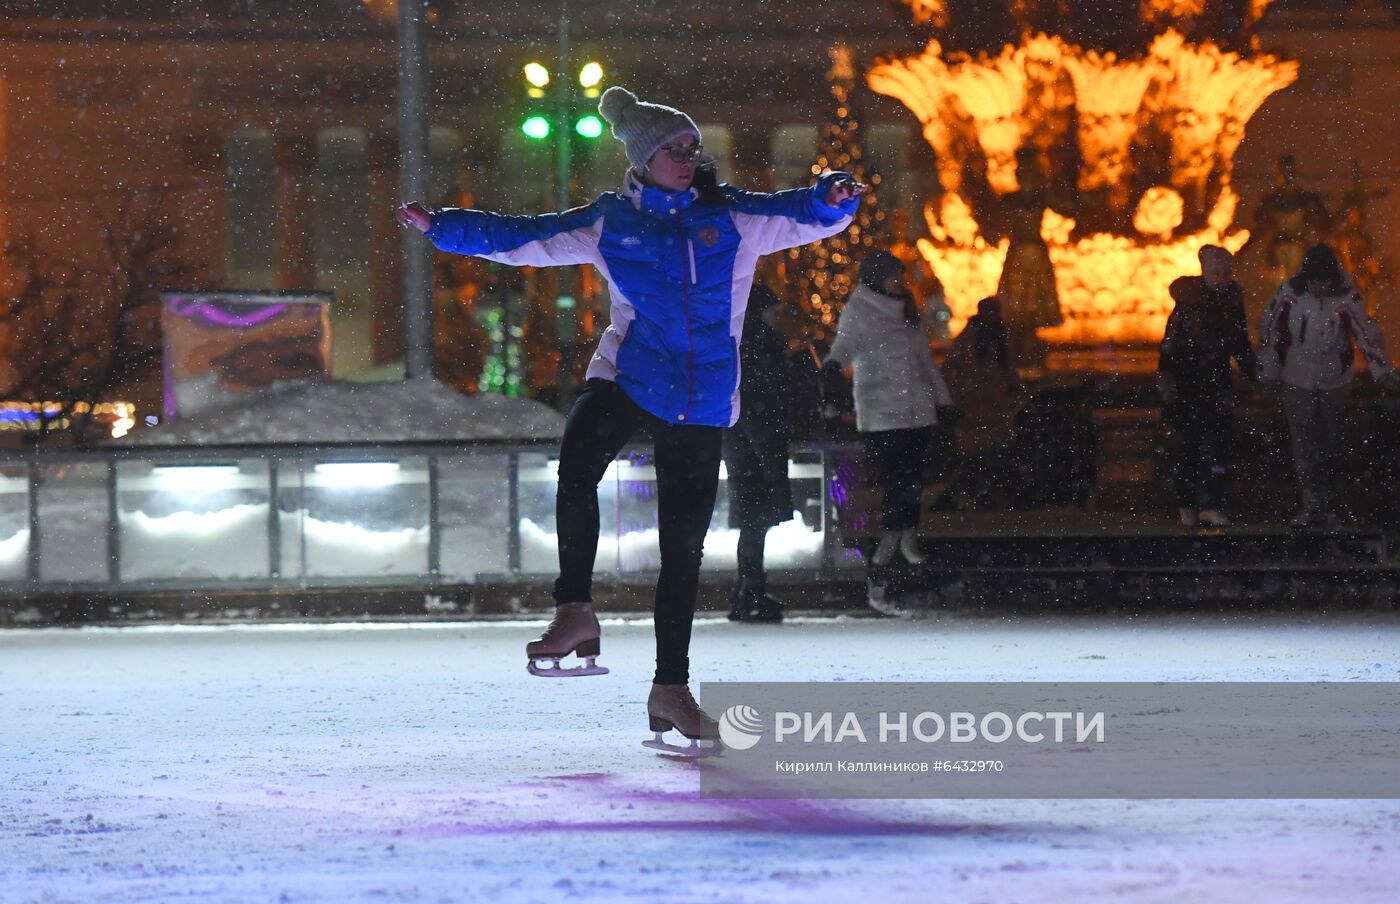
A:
(756, 456)
(985, 387)
(1206, 329)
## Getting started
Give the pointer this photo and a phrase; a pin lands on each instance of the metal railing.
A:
(150, 518)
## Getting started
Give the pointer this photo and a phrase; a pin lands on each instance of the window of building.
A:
(447, 174)
(250, 249)
(888, 148)
(719, 145)
(793, 151)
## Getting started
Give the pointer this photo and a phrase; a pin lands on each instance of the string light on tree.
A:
(824, 273)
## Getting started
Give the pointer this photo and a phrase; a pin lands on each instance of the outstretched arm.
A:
(547, 240)
(786, 219)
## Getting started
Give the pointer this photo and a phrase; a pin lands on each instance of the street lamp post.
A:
(413, 163)
(561, 123)
(563, 143)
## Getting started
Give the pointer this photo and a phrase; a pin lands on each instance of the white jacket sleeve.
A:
(1368, 336)
(847, 346)
(787, 219)
(547, 240)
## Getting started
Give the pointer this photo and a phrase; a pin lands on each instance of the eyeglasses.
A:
(689, 153)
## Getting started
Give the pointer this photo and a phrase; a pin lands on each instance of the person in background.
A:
(985, 386)
(756, 456)
(899, 395)
(1205, 330)
(1307, 345)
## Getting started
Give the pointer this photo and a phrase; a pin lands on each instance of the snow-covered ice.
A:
(419, 762)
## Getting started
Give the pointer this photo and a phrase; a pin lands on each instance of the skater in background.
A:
(1205, 330)
(985, 387)
(1308, 339)
(756, 456)
(899, 395)
(678, 250)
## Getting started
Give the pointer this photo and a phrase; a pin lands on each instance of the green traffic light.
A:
(536, 127)
(589, 126)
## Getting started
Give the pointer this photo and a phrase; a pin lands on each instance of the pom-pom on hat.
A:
(640, 126)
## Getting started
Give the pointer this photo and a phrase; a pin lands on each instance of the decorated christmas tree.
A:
(820, 276)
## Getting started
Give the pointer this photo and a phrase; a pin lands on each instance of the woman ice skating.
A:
(899, 395)
(678, 250)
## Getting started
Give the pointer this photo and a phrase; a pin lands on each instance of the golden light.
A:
(384, 10)
(1159, 212)
(1109, 95)
(1149, 217)
(591, 75)
(934, 12)
(537, 75)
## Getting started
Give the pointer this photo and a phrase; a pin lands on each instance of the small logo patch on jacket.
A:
(708, 235)
(631, 240)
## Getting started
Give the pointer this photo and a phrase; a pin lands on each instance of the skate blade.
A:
(695, 750)
(879, 602)
(555, 671)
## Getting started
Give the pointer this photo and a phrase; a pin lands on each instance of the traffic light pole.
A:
(413, 169)
(563, 202)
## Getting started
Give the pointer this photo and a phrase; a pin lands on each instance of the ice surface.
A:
(419, 762)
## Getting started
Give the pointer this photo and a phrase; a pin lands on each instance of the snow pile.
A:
(789, 545)
(14, 556)
(231, 543)
(329, 411)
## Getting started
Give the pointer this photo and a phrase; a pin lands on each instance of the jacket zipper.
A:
(685, 310)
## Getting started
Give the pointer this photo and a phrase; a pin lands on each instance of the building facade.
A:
(270, 138)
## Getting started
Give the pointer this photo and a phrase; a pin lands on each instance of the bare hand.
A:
(415, 215)
(844, 190)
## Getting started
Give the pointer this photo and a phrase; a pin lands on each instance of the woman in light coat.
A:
(899, 395)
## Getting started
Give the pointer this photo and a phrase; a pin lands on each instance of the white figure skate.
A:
(573, 630)
(671, 706)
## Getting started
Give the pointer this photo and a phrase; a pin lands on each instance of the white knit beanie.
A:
(642, 127)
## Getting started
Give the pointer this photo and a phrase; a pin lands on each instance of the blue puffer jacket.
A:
(679, 271)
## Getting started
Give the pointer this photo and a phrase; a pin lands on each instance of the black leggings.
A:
(1201, 430)
(687, 458)
(894, 461)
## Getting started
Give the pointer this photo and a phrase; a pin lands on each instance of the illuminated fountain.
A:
(1128, 133)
